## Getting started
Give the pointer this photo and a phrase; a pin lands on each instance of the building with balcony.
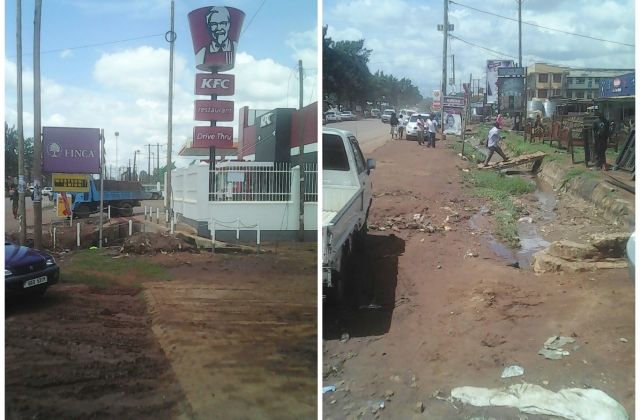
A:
(585, 83)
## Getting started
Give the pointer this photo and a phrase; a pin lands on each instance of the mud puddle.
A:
(541, 212)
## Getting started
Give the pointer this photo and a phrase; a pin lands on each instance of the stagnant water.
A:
(531, 240)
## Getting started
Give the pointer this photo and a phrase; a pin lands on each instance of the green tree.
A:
(11, 153)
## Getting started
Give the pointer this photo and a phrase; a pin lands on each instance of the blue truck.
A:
(122, 196)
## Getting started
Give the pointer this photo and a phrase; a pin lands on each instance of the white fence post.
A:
(258, 236)
(78, 234)
(54, 238)
(71, 218)
(130, 227)
(109, 212)
(158, 215)
(145, 212)
(166, 216)
(172, 225)
(213, 236)
(237, 230)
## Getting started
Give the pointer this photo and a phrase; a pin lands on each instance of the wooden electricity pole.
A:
(301, 137)
(21, 182)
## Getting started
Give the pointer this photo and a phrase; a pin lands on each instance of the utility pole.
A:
(157, 162)
(453, 70)
(301, 136)
(149, 166)
(171, 39)
(520, 33)
(21, 183)
(37, 139)
(445, 31)
(117, 168)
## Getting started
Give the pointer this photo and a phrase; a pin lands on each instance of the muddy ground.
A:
(434, 311)
(226, 336)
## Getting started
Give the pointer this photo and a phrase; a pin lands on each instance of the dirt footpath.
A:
(435, 311)
(224, 336)
(240, 332)
(81, 352)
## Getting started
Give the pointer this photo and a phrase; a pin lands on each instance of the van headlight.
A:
(7, 273)
(50, 261)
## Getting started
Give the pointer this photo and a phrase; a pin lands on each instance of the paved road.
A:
(370, 132)
(48, 213)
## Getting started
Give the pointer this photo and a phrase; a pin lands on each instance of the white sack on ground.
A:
(572, 404)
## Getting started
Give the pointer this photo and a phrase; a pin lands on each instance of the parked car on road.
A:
(332, 116)
(386, 115)
(27, 270)
(47, 191)
(375, 113)
(347, 116)
(411, 131)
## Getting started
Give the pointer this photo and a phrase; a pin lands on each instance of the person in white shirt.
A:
(431, 137)
(401, 124)
(493, 140)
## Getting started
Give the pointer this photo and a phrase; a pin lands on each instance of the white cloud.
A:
(66, 54)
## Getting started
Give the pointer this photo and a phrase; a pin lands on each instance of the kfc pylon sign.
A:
(214, 31)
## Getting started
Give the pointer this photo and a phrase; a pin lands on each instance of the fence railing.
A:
(262, 181)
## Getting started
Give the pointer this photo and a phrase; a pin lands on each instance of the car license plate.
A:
(35, 282)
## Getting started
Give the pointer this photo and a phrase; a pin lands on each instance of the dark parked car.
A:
(27, 270)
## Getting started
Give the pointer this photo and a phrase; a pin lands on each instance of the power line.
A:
(540, 26)
(500, 54)
(253, 17)
(94, 45)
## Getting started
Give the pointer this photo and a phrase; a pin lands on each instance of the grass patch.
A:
(95, 268)
(500, 190)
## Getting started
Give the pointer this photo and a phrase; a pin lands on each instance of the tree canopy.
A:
(347, 79)
(11, 153)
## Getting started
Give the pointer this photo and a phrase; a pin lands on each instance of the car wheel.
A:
(125, 209)
(82, 210)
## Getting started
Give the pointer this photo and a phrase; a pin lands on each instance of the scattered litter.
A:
(465, 170)
(375, 406)
(344, 338)
(370, 306)
(330, 388)
(512, 371)
(93, 247)
(572, 403)
(525, 220)
(545, 382)
(552, 348)
(623, 340)
(447, 228)
(419, 407)
(470, 254)
(417, 216)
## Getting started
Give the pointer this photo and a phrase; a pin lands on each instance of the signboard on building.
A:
(624, 85)
(437, 100)
(214, 32)
(215, 84)
(207, 110)
(71, 150)
(511, 72)
(63, 205)
(70, 182)
(510, 86)
(206, 137)
(453, 101)
(492, 78)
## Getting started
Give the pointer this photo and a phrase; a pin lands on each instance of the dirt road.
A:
(213, 336)
(434, 311)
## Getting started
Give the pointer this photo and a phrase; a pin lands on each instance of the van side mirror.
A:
(371, 164)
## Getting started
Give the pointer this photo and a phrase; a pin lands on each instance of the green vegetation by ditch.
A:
(97, 268)
(500, 190)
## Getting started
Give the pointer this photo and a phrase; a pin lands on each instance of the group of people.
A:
(427, 128)
(398, 123)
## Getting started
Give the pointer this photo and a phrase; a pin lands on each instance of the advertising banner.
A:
(70, 182)
(63, 205)
(453, 101)
(452, 121)
(71, 150)
(206, 110)
(624, 85)
(437, 98)
(511, 86)
(492, 78)
(215, 84)
(215, 31)
(206, 137)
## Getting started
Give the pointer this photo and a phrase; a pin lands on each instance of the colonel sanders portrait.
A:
(221, 49)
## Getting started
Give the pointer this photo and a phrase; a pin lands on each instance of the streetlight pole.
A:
(117, 169)
(135, 171)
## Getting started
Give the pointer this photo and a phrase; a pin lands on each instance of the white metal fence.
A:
(260, 181)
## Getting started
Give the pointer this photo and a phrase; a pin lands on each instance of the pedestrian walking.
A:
(393, 121)
(493, 140)
(431, 128)
(420, 125)
(401, 123)
(601, 132)
(14, 197)
(500, 121)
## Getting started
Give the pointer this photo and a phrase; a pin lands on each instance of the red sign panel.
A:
(215, 84)
(206, 137)
(213, 110)
(215, 32)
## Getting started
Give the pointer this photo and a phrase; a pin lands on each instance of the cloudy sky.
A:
(91, 79)
(405, 42)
